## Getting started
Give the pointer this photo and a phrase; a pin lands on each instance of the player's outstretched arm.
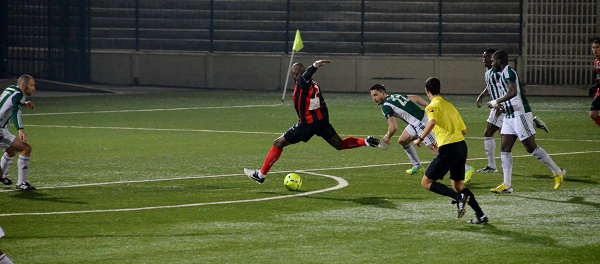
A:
(418, 100)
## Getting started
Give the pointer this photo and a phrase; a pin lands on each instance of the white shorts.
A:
(6, 139)
(520, 126)
(417, 131)
(495, 120)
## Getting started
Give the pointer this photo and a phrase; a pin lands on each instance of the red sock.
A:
(597, 120)
(271, 158)
(352, 142)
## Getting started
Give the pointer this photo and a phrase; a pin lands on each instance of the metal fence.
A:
(558, 37)
(49, 39)
(52, 39)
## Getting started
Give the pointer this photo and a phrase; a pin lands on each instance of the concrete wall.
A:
(268, 72)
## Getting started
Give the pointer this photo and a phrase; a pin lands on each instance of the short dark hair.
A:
(502, 55)
(433, 85)
(378, 87)
(491, 51)
(597, 41)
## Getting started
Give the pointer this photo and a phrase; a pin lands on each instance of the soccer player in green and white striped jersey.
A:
(518, 124)
(495, 119)
(406, 108)
(11, 101)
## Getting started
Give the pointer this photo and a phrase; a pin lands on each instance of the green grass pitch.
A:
(157, 178)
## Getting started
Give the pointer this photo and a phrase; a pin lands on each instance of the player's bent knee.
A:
(26, 150)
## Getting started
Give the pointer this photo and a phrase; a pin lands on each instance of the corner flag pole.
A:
(297, 47)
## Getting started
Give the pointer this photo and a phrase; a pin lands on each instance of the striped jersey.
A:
(492, 79)
(400, 106)
(517, 105)
(308, 100)
(11, 101)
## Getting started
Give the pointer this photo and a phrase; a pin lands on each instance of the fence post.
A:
(362, 27)
(287, 27)
(137, 25)
(211, 27)
(440, 28)
(3, 38)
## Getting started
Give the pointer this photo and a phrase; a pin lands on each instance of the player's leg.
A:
(7, 158)
(327, 132)
(18, 146)
(458, 174)
(436, 171)
(5, 163)
(507, 141)
(4, 259)
(405, 140)
(489, 144)
(594, 116)
(294, 135)
(595, 110)
(531, 147)
(494, 122)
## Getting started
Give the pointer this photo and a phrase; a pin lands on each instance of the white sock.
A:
(412, 155)
(489, 145)
(5, 163)
(507, 165)
(543, 157)
(4, 259)
(23, 164)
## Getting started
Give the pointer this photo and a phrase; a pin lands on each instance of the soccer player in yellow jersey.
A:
(449, 129)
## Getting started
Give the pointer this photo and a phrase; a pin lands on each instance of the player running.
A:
(406, 108)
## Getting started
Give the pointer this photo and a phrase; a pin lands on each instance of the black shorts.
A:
(595, 104)
(302, 132)
(452, 157)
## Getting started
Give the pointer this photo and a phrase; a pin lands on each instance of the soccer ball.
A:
(292, 181)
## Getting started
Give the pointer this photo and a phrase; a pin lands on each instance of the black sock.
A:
(443, 190)
(473, 203)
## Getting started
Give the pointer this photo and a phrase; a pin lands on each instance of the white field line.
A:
(250, 132)
(341, 184)
(150, 110)
(159, 129)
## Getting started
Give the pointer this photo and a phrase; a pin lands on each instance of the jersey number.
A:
(400, 99)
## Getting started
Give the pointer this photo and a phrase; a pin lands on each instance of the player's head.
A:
(296, 70)
(499, 60)
(27, 84)
(433, 86)
(596, 48)
(487, 58)
(378, 93)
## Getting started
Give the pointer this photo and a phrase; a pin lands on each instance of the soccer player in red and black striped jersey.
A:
(313, 120)
(595, 90)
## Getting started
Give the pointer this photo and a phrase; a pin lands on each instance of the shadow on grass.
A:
(380, 202)
(574, 200)
(491, 230)
(579, 179)
(38, 196)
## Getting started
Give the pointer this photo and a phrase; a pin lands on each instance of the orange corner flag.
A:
(298, 42)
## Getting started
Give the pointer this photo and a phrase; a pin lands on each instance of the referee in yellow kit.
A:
(449, 129)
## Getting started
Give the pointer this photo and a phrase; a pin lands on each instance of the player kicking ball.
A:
(313, 120)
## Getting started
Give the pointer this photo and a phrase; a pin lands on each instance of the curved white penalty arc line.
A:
(341, 184)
